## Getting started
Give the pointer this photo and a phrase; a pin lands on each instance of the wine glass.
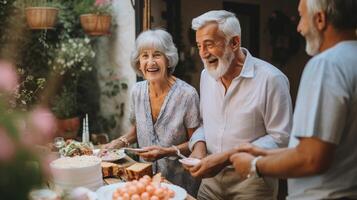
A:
(59, 142)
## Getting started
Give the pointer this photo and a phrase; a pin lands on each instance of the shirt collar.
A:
(248, 66)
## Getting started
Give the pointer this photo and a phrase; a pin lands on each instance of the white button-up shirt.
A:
(255, 108)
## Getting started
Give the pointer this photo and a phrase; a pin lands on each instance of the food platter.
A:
(135, 150)
(110, 156)
(106, 192)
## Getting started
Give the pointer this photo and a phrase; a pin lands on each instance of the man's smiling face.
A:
(214, 51)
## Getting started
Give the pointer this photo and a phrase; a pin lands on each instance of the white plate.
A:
(96, 152)
(135, 150)
(113, 156)
(190, 161)
(106, 192)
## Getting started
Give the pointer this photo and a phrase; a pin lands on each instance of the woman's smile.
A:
(153, 64)
(153, 69)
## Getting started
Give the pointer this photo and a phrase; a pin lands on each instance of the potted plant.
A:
(41, 14)
(65, 109)
(95, 16)
(71, 58)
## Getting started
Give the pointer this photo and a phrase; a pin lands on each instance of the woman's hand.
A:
(114, 144)
(155, 153)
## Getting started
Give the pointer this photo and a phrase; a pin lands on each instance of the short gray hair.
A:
(340, 13)
(157, 39)
(227, 22)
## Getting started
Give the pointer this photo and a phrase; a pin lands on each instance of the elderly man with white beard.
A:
(321, 161)
(243, 99)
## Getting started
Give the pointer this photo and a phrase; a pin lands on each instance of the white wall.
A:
(114, 55)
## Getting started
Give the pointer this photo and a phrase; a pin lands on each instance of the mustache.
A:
(210, 58)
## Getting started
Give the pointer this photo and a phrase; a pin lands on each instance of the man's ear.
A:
(320, 21)
(235, 43)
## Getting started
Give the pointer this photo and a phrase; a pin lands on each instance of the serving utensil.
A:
(178, 152)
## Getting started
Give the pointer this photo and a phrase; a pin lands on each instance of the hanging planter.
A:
(41, 17)
(96, 24)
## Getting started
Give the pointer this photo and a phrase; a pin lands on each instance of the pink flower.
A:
(43, 123)
(101, 2)
(8, 77)
(7, 147)
(45, 163)
(40, 128)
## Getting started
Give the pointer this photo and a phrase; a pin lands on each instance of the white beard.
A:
(223, 64)
(313, 41)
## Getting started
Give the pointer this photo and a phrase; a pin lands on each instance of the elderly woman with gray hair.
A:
(164, 109)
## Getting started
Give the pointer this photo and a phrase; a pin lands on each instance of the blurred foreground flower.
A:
(8, 77)
(43, 123)
(21, 166)
(7, 148)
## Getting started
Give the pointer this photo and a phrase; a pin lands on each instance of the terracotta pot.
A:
(96, 25)
(99, 138)
(68, 128)
(41, 17)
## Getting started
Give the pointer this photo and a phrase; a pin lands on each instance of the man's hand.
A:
(241, 163)
(210, 165)
(251, 149)
(154, 153)
(199, 150)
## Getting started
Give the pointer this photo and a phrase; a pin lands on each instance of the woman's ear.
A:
(235, 43)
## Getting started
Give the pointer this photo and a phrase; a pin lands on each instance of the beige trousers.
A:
(227, 185)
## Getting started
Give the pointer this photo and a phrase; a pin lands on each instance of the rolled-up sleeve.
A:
(278, 114)
(197, 136)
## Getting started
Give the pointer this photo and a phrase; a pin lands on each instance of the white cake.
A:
(79, 171)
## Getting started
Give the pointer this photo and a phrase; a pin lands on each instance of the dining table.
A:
(126, 162)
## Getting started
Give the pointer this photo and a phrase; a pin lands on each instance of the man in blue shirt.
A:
(321, 161)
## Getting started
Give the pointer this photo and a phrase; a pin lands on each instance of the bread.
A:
(138, 170)
(112, 170)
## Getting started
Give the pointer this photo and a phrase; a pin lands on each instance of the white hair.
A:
(314, 6)
(340, 13)
(227, 22)
(157, 39)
